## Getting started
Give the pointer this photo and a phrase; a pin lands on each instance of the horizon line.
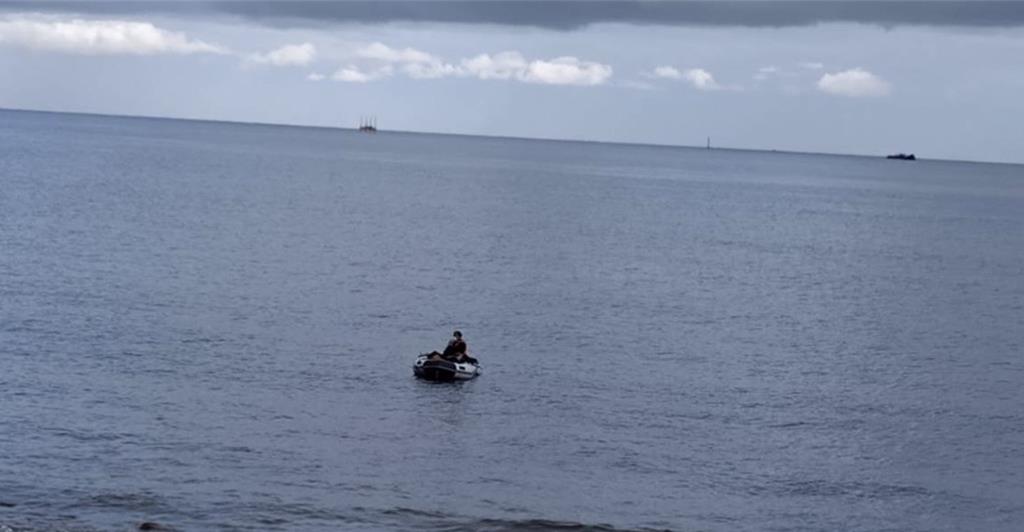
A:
(495, 136)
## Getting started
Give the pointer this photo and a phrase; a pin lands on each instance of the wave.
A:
(445, 522)
(134, 508)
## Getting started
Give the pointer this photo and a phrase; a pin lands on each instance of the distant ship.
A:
(368, 125)
(902, 156)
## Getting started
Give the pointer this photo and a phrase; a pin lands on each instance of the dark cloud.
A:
(572, 14)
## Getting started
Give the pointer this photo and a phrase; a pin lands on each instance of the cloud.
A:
(509, 65)
(97, 37)
(383, 52)
(855, 83)
(701, 79)
(568, 14)
(666, 72)
(431, 70)
(316, 76)
(353, 74)
(288, 55)
(697, 78)
(504, 65)
(416, 64)
(811, 65)
(566, 71)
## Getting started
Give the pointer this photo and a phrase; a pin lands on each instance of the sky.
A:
(939, 79)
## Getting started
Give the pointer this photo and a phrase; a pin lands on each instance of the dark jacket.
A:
(455, 348)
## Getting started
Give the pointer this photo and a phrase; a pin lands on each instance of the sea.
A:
(211, 326)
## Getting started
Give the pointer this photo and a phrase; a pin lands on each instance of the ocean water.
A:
(211, 326)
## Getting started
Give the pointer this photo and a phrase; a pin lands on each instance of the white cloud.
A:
(382, 52)
(667, 72)
(504, 65)
(558, 71)
(316, 76)
(416, 64)
(811, 65)
(510, 65)
(698, 78)
(701, 79)
(353, 74)
(98, 37)
(567, 71)
(855, 83)
(288, 55)
(432, 70)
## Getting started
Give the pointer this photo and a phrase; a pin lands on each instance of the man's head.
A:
(457, 334)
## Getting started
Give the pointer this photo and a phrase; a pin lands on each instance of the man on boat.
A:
(456, 350)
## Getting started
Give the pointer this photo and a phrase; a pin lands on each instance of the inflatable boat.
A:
(438, 369)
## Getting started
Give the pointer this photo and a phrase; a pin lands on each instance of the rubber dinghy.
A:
(444, 370)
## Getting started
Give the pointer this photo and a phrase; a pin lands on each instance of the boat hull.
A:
(444, 370)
